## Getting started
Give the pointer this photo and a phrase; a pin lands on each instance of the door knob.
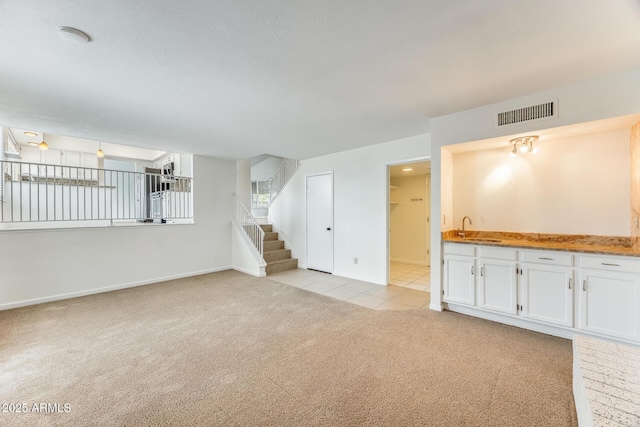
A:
(328, 228)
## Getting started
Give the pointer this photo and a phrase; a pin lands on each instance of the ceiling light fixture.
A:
(43, 145)
(29, 133)
(525, 143)
(73, 35)
(407, 169)
(100, 153)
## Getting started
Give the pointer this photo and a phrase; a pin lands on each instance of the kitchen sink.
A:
(484, 240)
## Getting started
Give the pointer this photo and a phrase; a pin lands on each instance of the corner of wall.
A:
(635, 184)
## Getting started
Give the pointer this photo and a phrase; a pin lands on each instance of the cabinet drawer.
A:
(546, 257)
(508, 254)
(623, 264)
(459, 249)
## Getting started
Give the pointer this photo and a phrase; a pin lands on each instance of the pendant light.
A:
(43, 145)
(100, 153)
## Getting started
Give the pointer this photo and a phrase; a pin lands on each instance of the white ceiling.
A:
(293, 78)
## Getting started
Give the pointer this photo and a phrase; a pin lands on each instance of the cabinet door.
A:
(31, 154)
(498, 286)
(547, 294)
(73, 161)
(610, 303)
(459, 280)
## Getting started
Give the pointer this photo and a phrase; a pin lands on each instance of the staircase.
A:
(275, 255)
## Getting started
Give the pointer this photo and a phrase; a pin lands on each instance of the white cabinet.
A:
(497, 284)
(89, 161)
(560, 292)
(30, 154)
(459, 274)
(547, 286)
(609, 302)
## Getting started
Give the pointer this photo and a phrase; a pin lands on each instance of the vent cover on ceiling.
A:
(546, 110)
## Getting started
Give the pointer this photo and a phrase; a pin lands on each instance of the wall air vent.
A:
(544, 111)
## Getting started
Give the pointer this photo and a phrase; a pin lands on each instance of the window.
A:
(260, 193)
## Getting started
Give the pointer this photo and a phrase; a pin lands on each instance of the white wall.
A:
(243, 181)
(244, 256)
(43, 265)
(360, 206)
(446, 188)
(576, 185)
(266, 168)
(65, 143)
(611, 96)
(186, 162)
(408, 220)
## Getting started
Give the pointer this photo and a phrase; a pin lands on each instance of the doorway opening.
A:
(408, 216)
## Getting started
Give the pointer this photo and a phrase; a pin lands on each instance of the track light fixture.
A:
(524, 144)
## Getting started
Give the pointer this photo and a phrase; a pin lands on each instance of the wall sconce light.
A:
(525, 144)
(100, 153)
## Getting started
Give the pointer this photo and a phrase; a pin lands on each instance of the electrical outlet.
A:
(355, 260)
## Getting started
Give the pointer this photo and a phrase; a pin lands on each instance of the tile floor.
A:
(354, 291)
(605, 382)
(411, 276)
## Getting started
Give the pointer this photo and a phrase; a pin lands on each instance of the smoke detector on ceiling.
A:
(73, 35)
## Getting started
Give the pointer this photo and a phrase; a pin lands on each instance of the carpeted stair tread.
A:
(277, 255)
(272, 245)
(274, 253)
(281, 265)
(270, 236)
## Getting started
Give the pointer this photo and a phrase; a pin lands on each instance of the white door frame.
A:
(306, 219)
(388, 206)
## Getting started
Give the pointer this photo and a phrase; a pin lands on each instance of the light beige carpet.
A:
(231, 349)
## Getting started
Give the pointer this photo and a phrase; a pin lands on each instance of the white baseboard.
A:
(250, 272)
(435, 307)
(69, 295)
(406, 261)
(532, 325)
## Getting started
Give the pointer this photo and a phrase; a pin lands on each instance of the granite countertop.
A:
(605, 245)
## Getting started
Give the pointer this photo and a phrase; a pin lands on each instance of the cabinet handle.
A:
(542, 257)
(570, 283)
(612, 265)
(472, 270)
(584, 285)
(482, 271)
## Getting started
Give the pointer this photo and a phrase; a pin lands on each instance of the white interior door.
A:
(320, 222)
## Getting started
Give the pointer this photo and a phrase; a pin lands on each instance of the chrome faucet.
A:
(463, 233)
